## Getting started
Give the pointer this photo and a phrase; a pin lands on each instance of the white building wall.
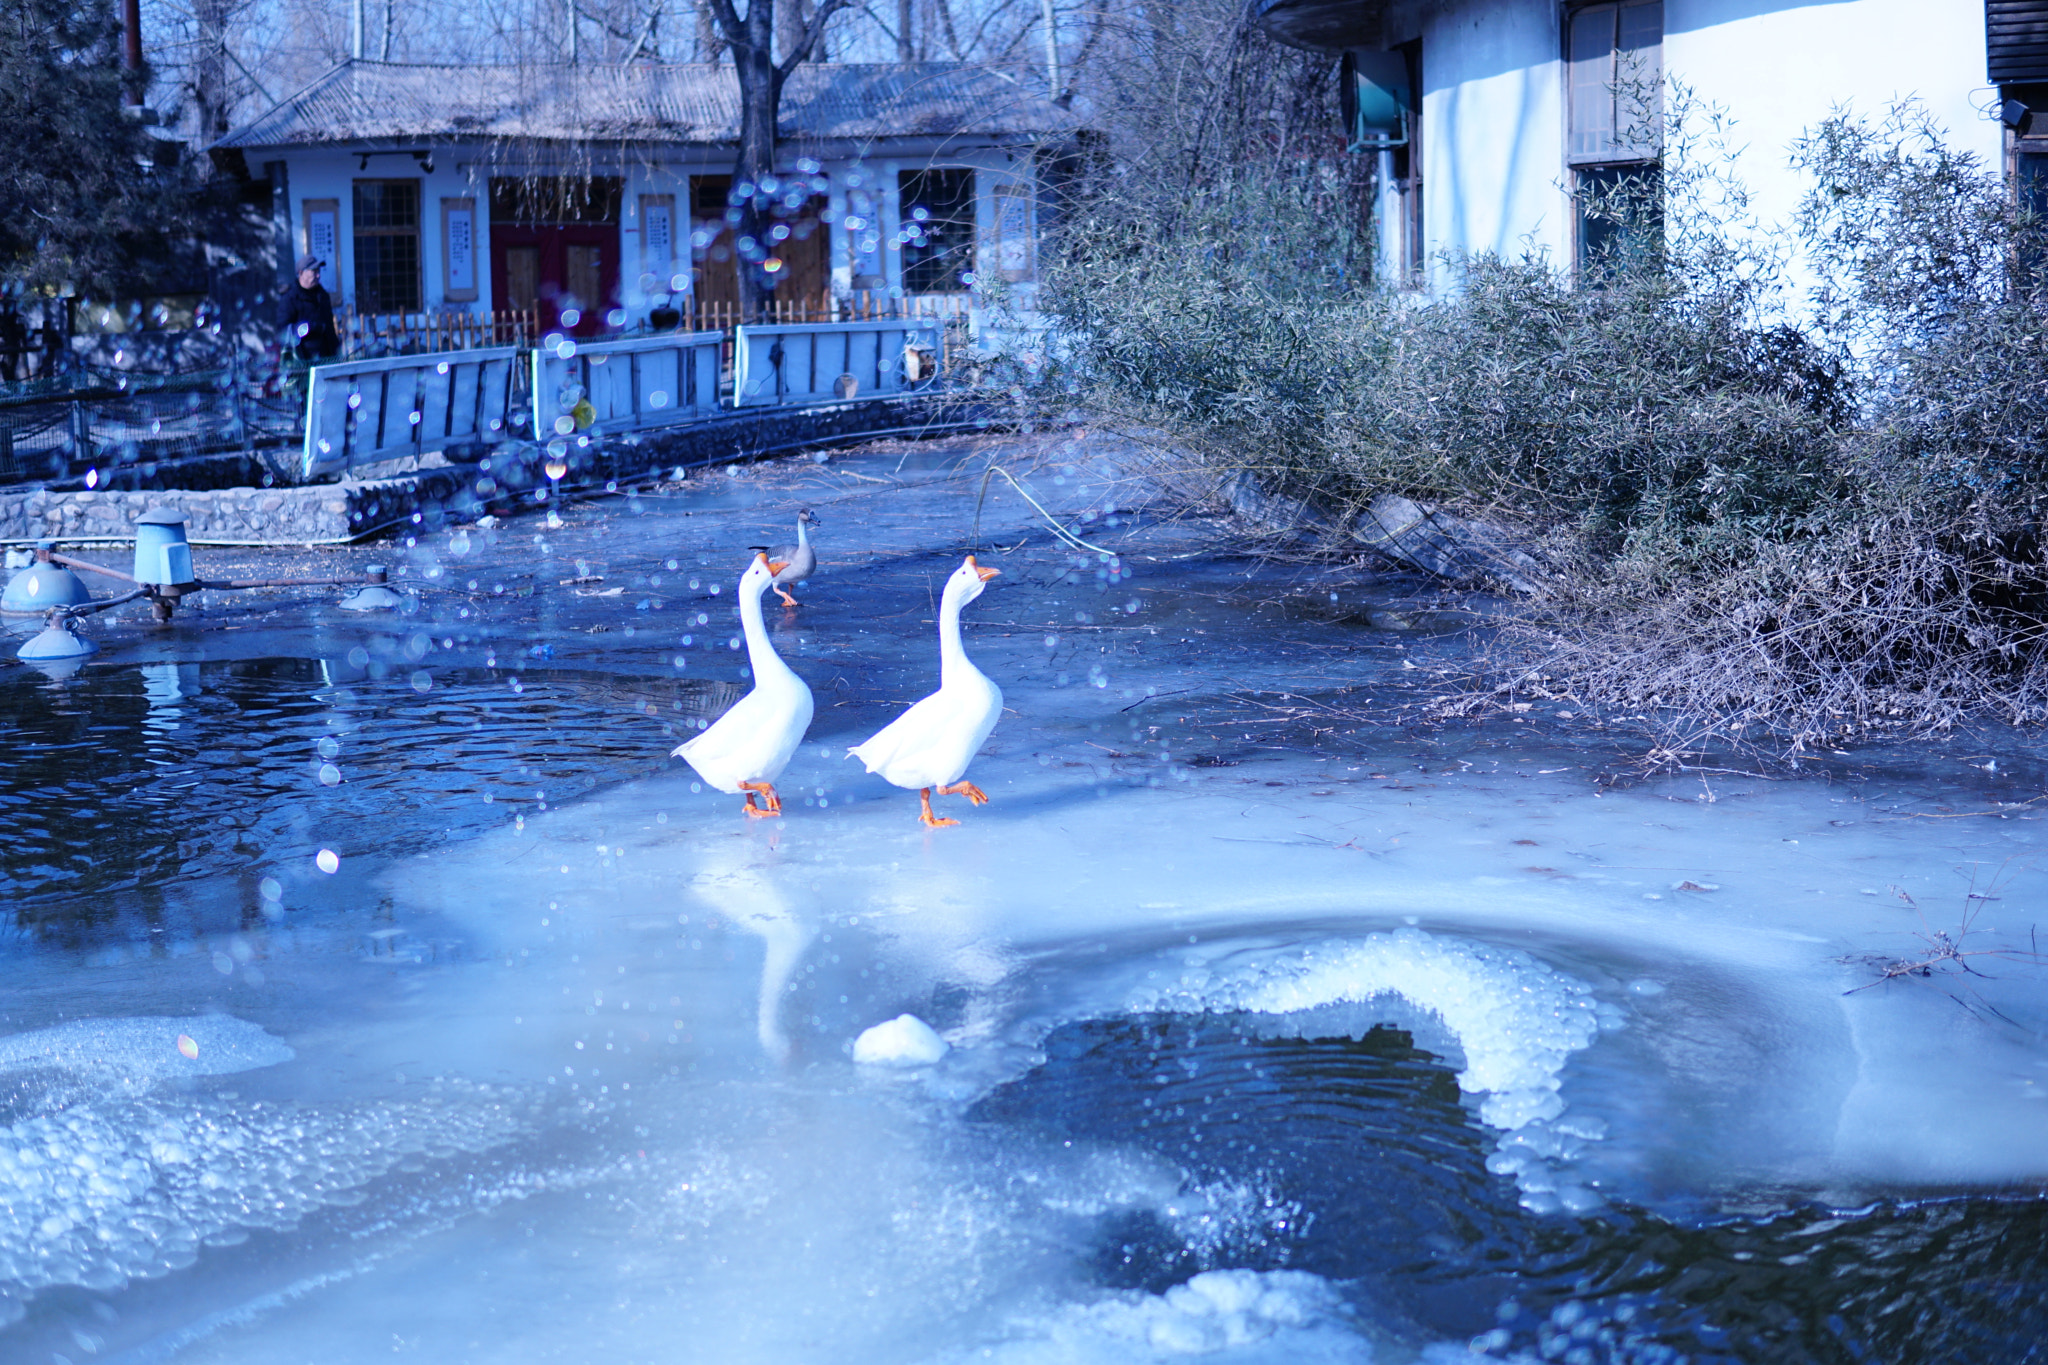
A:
(1781, 71)
(316, 175)
(322, 175)
(1493, 131)
(1494, 173)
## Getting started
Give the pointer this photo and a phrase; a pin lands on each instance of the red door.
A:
(569, 272)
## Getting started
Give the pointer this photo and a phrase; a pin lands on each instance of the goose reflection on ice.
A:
(737, 880)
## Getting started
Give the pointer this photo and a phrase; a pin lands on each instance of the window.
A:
(1616, 59)
(1402, 167)
(2030, 196)
(1620, 215)
(1615, 130)
(387, 246)
(937, 215)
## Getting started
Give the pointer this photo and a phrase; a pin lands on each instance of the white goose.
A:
(930, 745)
(747, 748)
(800, 560)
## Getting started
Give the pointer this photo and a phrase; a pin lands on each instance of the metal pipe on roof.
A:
(131, 52)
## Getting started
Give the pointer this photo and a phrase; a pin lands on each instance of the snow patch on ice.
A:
(96, 1195)
(1515, 1019)
(905, 1040)
(142, 1050)
(1230, 1317)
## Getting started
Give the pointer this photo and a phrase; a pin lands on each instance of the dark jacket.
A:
(314, 311)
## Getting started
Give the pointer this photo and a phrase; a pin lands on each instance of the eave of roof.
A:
(693, 104)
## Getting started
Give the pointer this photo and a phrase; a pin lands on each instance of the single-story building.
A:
(588, 194)
(1487, 115)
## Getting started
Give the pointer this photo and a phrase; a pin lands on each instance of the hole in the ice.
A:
(1354, 1158)
(1346, 1156)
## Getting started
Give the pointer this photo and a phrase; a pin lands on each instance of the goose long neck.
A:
(761, 655)
(952, 654)
(801, 537)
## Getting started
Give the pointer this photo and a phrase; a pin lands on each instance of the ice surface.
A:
(698, 982)
(1231, 1317)
(1515, 1021)
(905, 1040)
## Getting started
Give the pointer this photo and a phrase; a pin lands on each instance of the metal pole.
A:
(131, 51)
(355, 44)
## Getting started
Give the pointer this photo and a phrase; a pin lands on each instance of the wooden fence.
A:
(861, 306)
(365, 335)
(374, 334)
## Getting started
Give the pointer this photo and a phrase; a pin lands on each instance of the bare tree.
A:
(751, 39)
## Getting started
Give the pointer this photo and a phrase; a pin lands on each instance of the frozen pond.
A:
(1270, 1034)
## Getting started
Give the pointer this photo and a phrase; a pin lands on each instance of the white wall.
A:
(1493, 116)
(1780, 71)
(1493, 130)
(332, 175)
(316, 175)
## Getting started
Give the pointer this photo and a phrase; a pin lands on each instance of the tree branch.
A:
(813, 32)
(729, 22)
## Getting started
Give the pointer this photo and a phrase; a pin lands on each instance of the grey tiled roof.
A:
(691, 103)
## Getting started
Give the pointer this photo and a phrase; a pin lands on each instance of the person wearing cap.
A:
(305, 313)
(305, 320)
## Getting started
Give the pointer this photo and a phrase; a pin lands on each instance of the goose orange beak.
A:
(984, 574)
(776, 566)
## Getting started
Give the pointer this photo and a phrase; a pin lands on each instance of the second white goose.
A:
(929, 746)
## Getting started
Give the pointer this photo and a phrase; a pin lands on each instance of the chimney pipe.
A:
(131, 51)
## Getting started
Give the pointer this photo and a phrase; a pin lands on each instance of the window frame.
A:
(966, 219)
(359, 233)
(1581, 125)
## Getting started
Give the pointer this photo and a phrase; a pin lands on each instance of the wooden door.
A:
(558, 269)
(714, 273)
(802, 255)
(518, 282)
(806, 260)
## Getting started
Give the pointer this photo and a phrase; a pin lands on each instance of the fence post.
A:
(239, 404)
(81, 432)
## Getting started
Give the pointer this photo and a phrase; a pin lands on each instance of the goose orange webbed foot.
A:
(968, 790)
(931, 820)
(767, 791)
(787, 600)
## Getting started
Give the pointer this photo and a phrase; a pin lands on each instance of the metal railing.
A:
(817, 362)
(652, 381)
(363, 411)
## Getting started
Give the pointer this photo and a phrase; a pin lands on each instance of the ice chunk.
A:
(1235, 1316)
(905, 1040)
(1516, 1019)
